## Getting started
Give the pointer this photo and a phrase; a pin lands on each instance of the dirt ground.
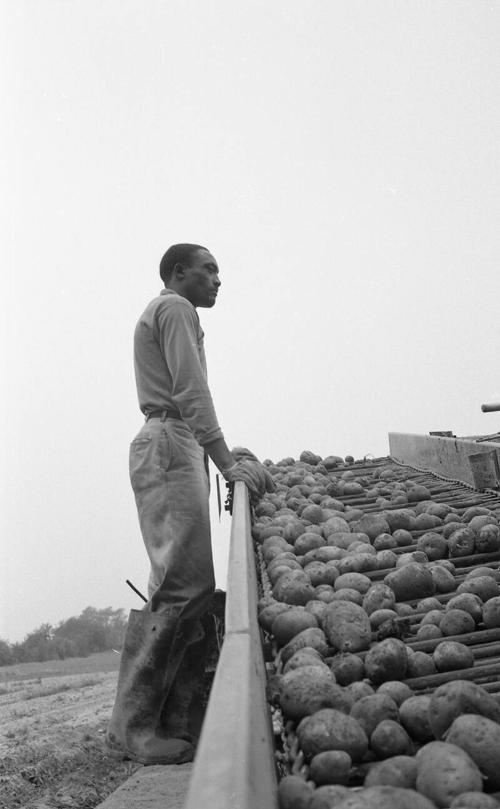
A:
(53, 721)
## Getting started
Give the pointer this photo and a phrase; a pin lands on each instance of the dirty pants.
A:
(170, 483)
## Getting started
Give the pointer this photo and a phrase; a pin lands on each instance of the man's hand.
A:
(243, 454)
(254, 474)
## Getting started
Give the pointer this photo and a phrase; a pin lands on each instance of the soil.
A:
(54, 717)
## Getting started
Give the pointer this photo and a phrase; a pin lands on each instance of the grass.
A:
(99, 662)
(68, 768)
(81, 778)
(57, 689)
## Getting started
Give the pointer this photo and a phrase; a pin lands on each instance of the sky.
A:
(340, 158)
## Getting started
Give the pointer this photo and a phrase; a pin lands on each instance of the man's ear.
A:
(179, 270)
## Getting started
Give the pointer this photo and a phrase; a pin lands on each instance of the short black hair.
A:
(177, 254)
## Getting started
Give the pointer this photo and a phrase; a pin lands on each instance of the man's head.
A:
(191, 271)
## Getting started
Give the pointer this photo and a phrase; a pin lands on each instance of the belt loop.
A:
(164, 415)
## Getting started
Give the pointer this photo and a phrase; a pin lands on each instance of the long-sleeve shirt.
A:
(170, 364)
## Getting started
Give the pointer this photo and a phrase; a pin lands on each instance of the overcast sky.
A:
(340, 158)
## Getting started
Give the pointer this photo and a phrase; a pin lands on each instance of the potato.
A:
(424, 521)
(380, 616)
(445, 771)
(480, 738)
(317, 572)
(434, 616)
(481, 520)
(403, 537)
(416, 492)
(469, 603)
(488, 539)
(347, 627)
(330, 767)
(371, 710)
(275, 542)
(491, 612)
(461, 542)
(398, 771)
(386, 559)
(353, 581)
(447, 564)
(404, 610)
(412, 557)
(372, 525)
(308, 637)
(396, 690)
(433, 545)
(386, 660)
(289, 623)
(443, 579)
(305, 657)
(474, 511)
(449, 655)
(456, 698)
(414, 716)
(366, 561)
(293, 587)
(474, 800)
(399, 518)
(307, 542)
(385, 797)
(428, 631)
(312, 513)
(390, 739)
(316, 607)
(384, 542)
(324, 593)
(307, 689)
(420, 664)
(268, 614)
(347, 594)
(328, 796)
(347, 668)
(450, 527)
(330, 729)
(483, 586)
(359, 689)
(378, 597)
(410, 581)
(456, 622)
(294, 792)
(482, 570)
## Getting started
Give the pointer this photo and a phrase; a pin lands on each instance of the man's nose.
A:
(217, 281)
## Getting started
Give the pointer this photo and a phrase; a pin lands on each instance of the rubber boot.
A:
(184, 709)
(152, 653)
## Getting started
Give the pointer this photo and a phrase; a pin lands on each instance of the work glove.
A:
(254, 474)
(243, 454)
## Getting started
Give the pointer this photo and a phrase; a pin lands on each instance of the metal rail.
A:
(234, 766)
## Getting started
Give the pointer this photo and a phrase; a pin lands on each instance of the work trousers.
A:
(170, 483)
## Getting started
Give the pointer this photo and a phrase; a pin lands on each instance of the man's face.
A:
(201, 281)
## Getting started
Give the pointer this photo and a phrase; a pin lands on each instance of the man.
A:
(158, 707)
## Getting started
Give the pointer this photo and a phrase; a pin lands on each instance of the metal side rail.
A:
(234, 766)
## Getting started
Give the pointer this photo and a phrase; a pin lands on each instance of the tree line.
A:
(91, 631)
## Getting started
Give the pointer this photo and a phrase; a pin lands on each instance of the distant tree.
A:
(38, 645)
(94, 630)
(6, 654)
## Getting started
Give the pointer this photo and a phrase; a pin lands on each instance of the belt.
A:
(163, 414)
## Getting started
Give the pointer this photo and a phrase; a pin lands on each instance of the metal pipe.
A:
(490, 408)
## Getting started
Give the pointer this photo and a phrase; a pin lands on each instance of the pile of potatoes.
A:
(344, 670)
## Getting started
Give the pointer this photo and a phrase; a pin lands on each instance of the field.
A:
(54, 716)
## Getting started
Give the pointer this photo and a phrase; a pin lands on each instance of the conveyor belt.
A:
(485, 643)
